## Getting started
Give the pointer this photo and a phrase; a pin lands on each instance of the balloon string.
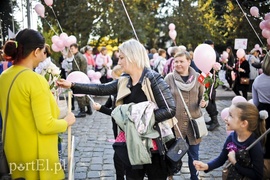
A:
(130, 20)
(50, 26)
(174, 42)
(249, 22)
(56, 19)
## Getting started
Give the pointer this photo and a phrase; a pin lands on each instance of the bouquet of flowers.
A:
(210, 81)
(51, 73)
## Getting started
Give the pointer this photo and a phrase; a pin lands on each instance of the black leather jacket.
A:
(158, 85)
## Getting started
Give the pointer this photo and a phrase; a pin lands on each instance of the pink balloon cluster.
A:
(62, 41)
(172, 32)
(265, 27)
(204, 57)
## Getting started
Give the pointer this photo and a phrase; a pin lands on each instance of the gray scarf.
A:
(189, 84)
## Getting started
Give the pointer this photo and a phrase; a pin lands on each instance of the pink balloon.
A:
(262, 25)
(97, 75)
(73, 39)
(48, 2)
(40, 10)
(267, 16)
(254, 11)
(257, 46)
(267, 24)
(172, 34)
(204, 57)
(171, 26)
(268, 41)
(78, 77)
(55, 48)
(224, 55)
(224, 113)
(55, 38)
(63, 36)
(90, 73)
(240, 53)
(266, 33)
(60, 44)
(237, 99)
(169, 51)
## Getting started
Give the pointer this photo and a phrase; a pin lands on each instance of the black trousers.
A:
(155, 171)
(212, 107)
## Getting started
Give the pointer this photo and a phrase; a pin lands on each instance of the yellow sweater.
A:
(31, 143)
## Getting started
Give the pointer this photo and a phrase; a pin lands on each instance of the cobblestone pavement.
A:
(94, 152)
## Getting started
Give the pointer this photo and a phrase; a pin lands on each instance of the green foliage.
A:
(195, 20)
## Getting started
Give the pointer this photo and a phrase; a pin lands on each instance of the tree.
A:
(6, 18)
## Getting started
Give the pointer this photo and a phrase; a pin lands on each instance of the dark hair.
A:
(75, 45)
(25, 42)
(208, 41)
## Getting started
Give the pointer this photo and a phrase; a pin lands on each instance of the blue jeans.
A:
(193, 154)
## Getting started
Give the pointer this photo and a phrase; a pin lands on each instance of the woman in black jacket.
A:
(139, 84)
(242, 71)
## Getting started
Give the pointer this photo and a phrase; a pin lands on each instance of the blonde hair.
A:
(135, 53)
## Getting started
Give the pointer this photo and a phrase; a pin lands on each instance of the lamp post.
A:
(28, 13)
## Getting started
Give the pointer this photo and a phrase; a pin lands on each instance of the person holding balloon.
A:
(139, 84)
(241, 70)
(79, 63)
(247, 124)
(211, 107)
(229, 67)
(185, 79)
(31, 124)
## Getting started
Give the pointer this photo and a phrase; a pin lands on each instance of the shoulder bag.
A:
(198, 125)
(175, 153)
(4, 167)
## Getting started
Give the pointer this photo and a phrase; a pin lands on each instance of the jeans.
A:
(193, 154)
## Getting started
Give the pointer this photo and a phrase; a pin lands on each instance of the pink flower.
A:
(216, 66)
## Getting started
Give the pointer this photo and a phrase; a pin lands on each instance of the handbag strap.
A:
(185, 105)
(7, 107)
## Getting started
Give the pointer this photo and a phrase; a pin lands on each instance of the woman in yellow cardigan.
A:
(32, 126)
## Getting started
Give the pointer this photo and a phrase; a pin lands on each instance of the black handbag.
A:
(4, 167)
(175, 153)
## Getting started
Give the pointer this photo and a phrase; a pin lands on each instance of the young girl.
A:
(248, 124)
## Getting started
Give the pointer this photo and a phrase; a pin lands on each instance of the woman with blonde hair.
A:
(139, 84)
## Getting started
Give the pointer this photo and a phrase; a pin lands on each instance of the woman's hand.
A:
(64, 83)
(70, 118)
(231, 157)
(96, 106)
(203, 103)
(200, 166)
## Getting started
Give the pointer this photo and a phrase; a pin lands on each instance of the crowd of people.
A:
(146, 83)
